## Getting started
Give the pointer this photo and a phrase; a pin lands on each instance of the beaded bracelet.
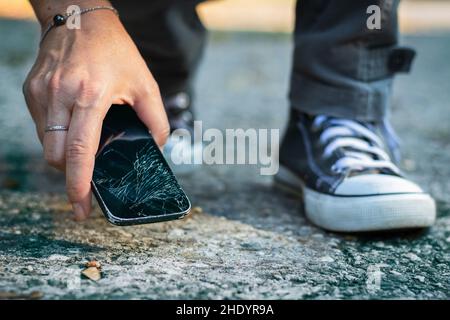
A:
(61, 19)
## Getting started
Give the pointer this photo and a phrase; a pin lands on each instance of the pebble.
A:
(58, 257)
(420, 278)
(326, 259)
(252, 246)
(92, 273)
(413, 257)
(197, 210)
(176, 234)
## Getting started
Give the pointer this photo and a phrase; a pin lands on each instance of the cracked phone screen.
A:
(131, 176)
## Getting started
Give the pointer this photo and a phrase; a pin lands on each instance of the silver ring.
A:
(56, 128)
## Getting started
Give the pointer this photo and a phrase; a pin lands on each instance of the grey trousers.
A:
(340, 67)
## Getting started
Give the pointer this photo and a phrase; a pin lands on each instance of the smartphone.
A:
(132, 181)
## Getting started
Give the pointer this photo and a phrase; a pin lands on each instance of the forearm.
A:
(46, 9)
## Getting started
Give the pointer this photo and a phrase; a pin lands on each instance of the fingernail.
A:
(78, 211)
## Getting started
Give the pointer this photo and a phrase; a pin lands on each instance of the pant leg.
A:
(341, 67)
(169, 36)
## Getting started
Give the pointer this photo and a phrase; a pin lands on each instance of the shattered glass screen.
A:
(132, 177)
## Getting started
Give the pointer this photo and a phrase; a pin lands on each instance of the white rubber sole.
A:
(362, 213)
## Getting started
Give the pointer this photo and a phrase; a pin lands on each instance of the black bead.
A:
(59, 20)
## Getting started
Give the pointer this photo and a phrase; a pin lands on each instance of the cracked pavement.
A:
(248, 240)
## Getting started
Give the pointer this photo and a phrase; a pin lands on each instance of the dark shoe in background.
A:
(180, 147)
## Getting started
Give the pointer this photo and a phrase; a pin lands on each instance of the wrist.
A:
(72, 19)
(46, 10)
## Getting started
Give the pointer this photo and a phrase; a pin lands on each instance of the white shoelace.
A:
(362, 148)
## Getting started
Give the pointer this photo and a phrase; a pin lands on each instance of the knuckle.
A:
(75, 189)
(163, 134)
(77, 149)
(150, 89)
(165, 131)
(32, 87)
(54, 160)
(90, 94)
(154, 87)
(63, 82)
(55, 82)
(92, 89)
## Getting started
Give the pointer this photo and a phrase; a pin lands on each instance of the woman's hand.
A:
(77, 76)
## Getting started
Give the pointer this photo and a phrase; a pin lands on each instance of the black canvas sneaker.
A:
(346, 177)
(179, 152)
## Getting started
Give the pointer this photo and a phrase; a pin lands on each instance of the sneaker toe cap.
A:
(376, 184)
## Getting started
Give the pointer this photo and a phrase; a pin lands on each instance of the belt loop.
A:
(400, 59)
